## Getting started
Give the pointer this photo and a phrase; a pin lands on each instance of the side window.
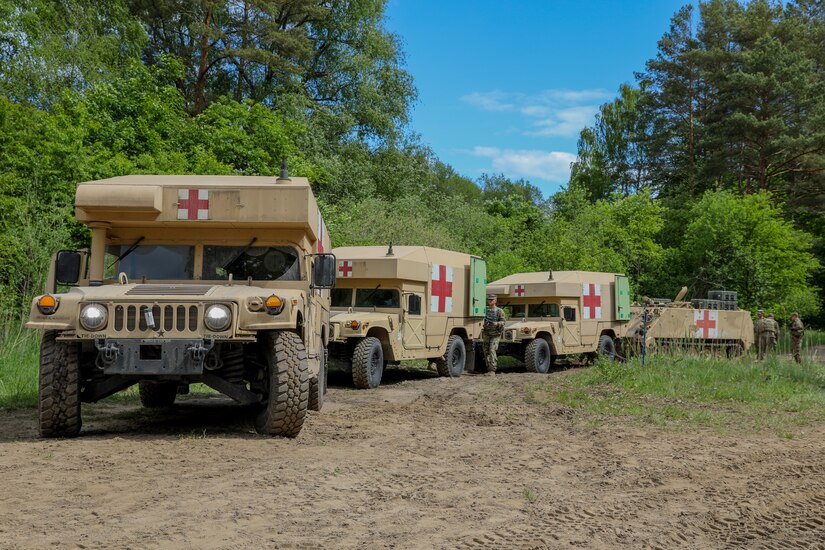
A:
(414, 304)
(569, 313)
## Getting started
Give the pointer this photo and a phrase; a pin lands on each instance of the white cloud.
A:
(565, 122)
(551, 112)
(489, 101)
(553, 166)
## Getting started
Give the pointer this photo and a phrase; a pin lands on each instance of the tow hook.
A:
(108, 350)
(199, 351)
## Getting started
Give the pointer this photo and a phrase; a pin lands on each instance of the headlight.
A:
(217, 318)
(93, 317)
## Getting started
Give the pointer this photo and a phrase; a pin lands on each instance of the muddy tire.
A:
(287, 379)
(59, 391)
(451, 364)
(367, 363)
(538, 356)
(157, 395)
(607, 347)
(318, 385)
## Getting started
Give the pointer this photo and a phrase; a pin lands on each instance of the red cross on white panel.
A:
(591, 301)
(441, 294)
(706, 321)
(345, 269)
(193, 204)
(519, 290)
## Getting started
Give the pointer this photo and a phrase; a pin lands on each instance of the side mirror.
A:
(67, 267)
(323, 271)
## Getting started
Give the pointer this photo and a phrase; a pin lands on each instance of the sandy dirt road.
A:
(421, 462)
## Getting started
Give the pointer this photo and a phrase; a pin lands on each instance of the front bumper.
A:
(153, 356)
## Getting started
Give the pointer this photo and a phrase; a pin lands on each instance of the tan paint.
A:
(123, 209)
(409, 271)
(566, 289)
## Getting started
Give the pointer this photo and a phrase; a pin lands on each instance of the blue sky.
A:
(505, 87)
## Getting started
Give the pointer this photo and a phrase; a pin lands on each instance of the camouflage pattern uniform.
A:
(772, 330)
(797, 331)
(491, 333)
(760, 336)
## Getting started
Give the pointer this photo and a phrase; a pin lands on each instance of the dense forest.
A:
(707, 170)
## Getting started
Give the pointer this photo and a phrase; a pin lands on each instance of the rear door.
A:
(622, 298)
(478, 287)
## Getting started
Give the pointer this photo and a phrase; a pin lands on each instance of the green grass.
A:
(776, 394)
(19, 352)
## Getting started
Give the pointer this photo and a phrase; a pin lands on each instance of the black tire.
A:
(367, 363)
(287, 393)
(538, 356)
(59, 391)
(157, 395)
(318, 385)
(452, 362)
(607, 347)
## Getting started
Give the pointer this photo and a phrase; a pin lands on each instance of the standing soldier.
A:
(491, 333)
(772, 330)
(797, 331)
(759, 335)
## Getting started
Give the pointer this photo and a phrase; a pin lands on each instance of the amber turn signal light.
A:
(354, 325)
(47, 304)
(274, 305)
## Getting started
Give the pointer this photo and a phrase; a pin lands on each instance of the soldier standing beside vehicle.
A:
(772, 331)
(491, 333)
(759, 335)
(797, 331)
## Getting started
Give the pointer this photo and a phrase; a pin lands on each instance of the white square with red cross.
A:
(344, 269)
(441, 289)
(519, 291)
(193, 204)
(591, 301)
(706, 322)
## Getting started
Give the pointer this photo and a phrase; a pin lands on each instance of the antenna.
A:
(284, 175)
(389, 250)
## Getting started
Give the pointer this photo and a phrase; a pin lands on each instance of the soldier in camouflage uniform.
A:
(772, 331)
(759, 335)
(797, 331)
(491, 333)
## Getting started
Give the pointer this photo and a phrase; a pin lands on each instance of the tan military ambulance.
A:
(556, 313)
(222, 280)
(398, 303)
(712, 325)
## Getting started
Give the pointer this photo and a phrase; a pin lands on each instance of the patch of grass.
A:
(195, 434)
(776, 394)
(19, 355)
(530, 494)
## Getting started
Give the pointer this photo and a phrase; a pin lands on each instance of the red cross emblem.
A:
(519, 290)
(592, 301)
(441, 294)
(706, 323)
(345, 269)
(193, 204)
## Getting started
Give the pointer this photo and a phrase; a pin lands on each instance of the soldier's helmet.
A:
(794, 314)
(491, 297)
(760, 313)
(770, 315)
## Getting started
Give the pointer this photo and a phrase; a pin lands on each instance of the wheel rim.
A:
(455, 359)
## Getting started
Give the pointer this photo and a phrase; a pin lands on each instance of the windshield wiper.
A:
(241, 254)
(371, 294)
(127, 252)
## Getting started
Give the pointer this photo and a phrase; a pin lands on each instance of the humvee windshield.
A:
(262, 263)
(516, 311)
(341, 297)
(366, 297)
(151, 261)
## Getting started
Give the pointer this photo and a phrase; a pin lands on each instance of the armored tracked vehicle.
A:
(713, 324)
(557, 313)
(222, 280)
(407, 302)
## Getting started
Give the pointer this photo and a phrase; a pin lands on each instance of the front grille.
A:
(168, 318)
(169, 290)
